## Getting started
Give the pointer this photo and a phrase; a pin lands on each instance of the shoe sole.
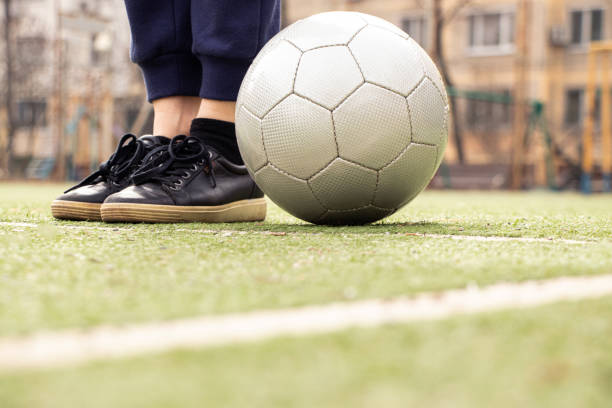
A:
(238, 211)
(76, 211)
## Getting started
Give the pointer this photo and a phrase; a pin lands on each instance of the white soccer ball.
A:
(342, 119)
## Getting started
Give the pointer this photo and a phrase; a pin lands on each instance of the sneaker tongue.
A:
(152, 141)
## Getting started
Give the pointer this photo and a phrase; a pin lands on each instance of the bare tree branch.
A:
(438, 51)
(448, 17)
(421, 3)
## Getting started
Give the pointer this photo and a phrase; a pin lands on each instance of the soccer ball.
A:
(342, 118)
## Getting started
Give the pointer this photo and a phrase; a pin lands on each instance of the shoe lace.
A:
(119, 165)
(172, 164)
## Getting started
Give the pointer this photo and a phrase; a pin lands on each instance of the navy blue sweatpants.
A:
(199, 47)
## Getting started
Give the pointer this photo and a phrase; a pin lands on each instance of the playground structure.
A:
(551, 163)
(599, 57)
(91, 125)
(90, 134)
(532, 77)
(542, 159)
(533, 148)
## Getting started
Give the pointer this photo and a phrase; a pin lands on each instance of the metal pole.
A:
(59, 108)
(587, 136)
(7, 154)
(606, 123)
(520, 95)
(555, 77)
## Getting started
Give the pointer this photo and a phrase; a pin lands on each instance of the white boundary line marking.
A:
(78, 346)
(481, 238)
(503, 239)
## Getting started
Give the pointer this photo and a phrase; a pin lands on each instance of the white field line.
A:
(503, 239)
(482, 238)
(77, 346)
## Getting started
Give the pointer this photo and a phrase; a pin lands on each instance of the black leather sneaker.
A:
(187, 182)
(83, 201)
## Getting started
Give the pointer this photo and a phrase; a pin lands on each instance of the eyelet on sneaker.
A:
(194, 167)
(176, 185)
(186, 175)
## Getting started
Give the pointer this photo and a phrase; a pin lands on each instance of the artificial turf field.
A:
(61, 275)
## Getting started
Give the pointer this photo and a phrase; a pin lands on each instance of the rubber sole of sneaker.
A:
(75, 210)
(238, 211)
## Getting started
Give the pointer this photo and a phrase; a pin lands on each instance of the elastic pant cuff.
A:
(222, 77)
(172, 75)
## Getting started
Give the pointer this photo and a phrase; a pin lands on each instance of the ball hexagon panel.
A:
(432, 72)
(372, 126)
(286, 191)
(379, 22)
(327, 75)
(271, 79)
(442, 146)
(350, 155)
(299, 137)
(250, 139)
(428, 112)
(323, 30)
(269, 46)
(406, 176)
(354, 217)
(343, 185)
(387, 59)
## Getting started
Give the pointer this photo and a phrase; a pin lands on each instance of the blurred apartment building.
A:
(102, 93)
(71, 61)
(480, 49)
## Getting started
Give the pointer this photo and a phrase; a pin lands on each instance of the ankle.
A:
(219, 110)
(170, 125)
(173, 115)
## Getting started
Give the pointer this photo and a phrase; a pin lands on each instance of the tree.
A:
(5, 157)
(23, 75)
(442, 16)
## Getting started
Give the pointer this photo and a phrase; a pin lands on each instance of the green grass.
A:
(537, 214)
(554, 356)
(56, 275)
(60, 274)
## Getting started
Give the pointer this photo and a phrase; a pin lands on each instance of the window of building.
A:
(101, 44)
(597, 24)
(30, 51)
(487, 115)
(573, 106)
(31, 113)
(416, 27)
(491, 33)
(576, 107)
(586, 26)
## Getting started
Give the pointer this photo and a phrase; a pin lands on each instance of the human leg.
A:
(202, 178)
(173, 114)
(226, 38)
(161, 46)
